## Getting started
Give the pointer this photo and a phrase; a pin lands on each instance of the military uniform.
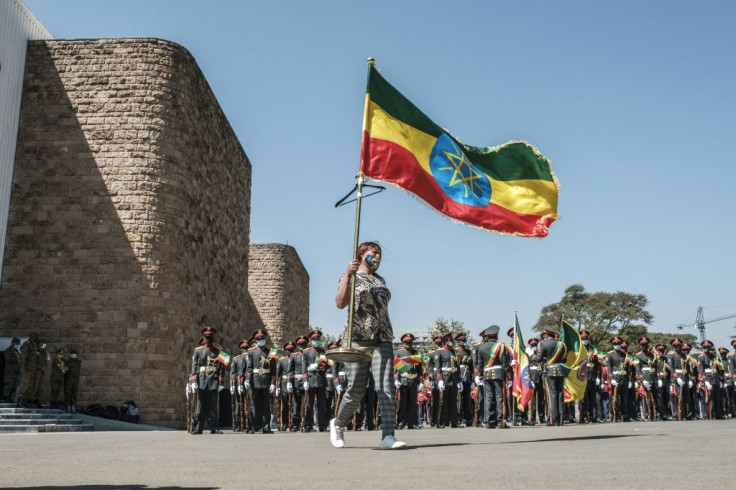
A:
(71, 380)
(646, 376)
(315, 364)
(408, 385)
(297, 376)
(11, 375)
(30, 352)
(729, 361)
(681, 377)
(238, 366)
(465, 363)
(490, 368)
(713, 376)
(260, 377)
(591, 403)
(618, 375)
(445, 360)
(433, 372)
(208, 376)
(56, 380)
(478, 392)
(662, 387)
(537, 403)
(282, 382)
(551, 355)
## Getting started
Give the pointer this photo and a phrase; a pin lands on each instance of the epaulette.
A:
(199, 347)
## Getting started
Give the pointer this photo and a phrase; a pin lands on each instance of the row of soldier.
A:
(459, 385)
(25, 370)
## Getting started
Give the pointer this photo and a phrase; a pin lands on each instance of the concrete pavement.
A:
(695, 454)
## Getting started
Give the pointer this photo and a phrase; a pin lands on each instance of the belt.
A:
(207, 369)
(449, 370)
(260, 371)
(533, 368)
(617, 373)
(708, 371)
(646, 369)
(408, 375)
(680, 371)
(342, 373)
(492, 367)
(284, 377)
(329, 376)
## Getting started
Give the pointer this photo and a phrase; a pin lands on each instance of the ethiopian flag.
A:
(223, 357)
(508, 188)
(522, 384)
(575, 364)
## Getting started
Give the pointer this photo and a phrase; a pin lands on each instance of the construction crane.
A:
(700, 322)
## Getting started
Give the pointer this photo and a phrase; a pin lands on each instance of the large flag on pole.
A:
(508, 188)
(575, 364)
(522, 385)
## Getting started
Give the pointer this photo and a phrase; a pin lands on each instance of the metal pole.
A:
(356, 240)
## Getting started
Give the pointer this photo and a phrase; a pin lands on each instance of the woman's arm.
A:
(343, 292)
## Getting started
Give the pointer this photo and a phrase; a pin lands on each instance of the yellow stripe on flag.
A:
(382, 126)
(525, 196)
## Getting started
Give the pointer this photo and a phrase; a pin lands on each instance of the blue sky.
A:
(633, 102)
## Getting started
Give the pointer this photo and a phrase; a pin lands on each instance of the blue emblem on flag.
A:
(457, 176)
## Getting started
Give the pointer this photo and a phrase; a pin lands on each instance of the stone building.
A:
(129, 221)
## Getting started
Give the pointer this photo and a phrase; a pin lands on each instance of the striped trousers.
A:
(382, 369)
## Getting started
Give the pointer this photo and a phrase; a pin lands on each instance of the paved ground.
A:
(668, 455)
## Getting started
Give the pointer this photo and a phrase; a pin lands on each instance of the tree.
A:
(602, 314)
(441, 327)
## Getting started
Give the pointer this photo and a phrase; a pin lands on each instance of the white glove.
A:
(708, 385)
(531, 383)
(647, 385)
(441, 385)
(189, 390)
(232, 389)
(460, 387)
(240, 389)
(513, 362)
(659, 383)
(338, 388)
(509, 384)
(312, 367)
(690, 383)
(529, 351)
(289, 387)
(271, 388)
(397, 384)
(278, 391)
(246, 385)
(220, 387)
(193, 386)
(431, 385)
(477, 380)
(306, 386)
(630, 385)
(597, 381)
(680, 382)
(420, 387)
(614, 383)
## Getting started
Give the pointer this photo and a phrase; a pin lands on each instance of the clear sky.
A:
(633, 102)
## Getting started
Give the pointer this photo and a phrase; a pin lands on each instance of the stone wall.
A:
(279, 289)
(129, 218)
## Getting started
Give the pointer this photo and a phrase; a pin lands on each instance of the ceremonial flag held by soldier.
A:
(574, 364)
(522, 388)
(508, 188)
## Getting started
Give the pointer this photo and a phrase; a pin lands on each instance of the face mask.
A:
(73, 356)
(208, 340)
(616, 347)
(408, 344)
(43, 346)
(586, 342)
(261, 343)
(373, 261)
(317, 343)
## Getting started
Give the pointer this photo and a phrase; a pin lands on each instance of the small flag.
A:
(522, 385)
(223, 357)
(575, 364)
(274, 353)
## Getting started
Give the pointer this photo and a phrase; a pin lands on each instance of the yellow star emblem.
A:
(462, 171)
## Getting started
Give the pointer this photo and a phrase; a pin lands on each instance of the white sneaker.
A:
(390, 442)
(336, 434)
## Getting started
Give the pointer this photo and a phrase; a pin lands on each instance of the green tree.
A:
(441, 327)
(603, 314)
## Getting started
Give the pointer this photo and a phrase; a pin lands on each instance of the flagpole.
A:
(348, 353)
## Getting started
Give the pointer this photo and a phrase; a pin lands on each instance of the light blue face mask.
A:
(261, 343)
(317, 343)
(373, 261)
(73, 356)
(616, 347)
